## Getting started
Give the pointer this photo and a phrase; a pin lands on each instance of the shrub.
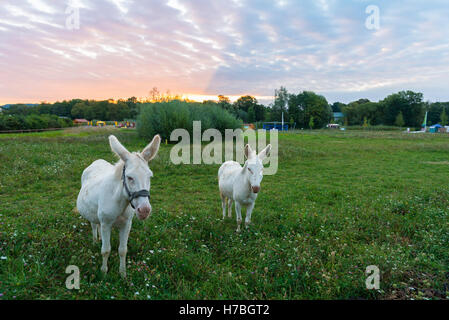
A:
(33, 121)
(164, 117)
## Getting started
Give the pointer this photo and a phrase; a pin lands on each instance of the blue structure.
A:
(275, 125)
(434, 128)
(338, 116)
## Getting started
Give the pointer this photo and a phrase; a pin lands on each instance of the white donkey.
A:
(109, 191)
(241, 185)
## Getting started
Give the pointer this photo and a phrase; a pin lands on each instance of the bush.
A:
(33, 121)
(164, 117)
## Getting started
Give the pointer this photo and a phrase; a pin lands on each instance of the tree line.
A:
(305, 109)
(309, 110)
(32, 121)
(106, 110)
(402, 109)
(60, 114)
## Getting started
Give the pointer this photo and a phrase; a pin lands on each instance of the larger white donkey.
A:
(109, 191)
(241, 184)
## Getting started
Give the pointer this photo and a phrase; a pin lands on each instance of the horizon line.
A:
(196, 97)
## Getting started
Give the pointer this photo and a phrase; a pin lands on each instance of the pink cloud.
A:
(124, 48)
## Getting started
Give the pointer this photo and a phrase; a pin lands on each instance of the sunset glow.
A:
(200, 49)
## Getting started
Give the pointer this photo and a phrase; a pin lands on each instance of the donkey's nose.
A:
(256, 189)
(143, 212)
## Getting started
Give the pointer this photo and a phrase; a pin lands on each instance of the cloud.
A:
(124, 48)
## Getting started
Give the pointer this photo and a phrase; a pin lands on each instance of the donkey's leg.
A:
(123, 247)
(223, 204)
(229, 208)
(238, 213)
(249, 210)
(106, 244)
(94, 231)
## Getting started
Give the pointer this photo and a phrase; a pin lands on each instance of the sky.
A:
(343, 49)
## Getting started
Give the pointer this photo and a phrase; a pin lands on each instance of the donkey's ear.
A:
(118, 148)
(151, 150)
(265, 152)
(249, 153)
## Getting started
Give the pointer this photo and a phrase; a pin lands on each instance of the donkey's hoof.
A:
(123, 274)
(104, 269)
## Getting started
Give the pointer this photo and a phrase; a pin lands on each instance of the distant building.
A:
(80, 121)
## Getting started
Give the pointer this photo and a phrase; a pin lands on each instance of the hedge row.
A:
(33, 121)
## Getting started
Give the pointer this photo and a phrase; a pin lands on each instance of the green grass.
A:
(339, 202)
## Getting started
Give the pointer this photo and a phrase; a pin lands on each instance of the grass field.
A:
(340, 201)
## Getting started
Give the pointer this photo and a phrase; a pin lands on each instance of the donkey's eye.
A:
(130, 179)
(251, 171)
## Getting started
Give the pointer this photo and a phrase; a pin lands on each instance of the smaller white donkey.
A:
(241, 185)
(109, 191)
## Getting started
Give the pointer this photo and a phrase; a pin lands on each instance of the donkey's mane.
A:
(118, 166)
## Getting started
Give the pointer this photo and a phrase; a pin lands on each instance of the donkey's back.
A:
(96, 170)
(91, 186)
(227, 174)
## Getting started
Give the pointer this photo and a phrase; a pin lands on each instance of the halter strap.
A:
(133, 195)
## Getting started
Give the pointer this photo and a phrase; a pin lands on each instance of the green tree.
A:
(78, 110)
(311, 123)
(224, 102)
(357, 111)
(443, 118)
(281, 98)
(337, 106)
(409, 103)
(251, 114)
(308, 104)
(291, 123)
(242, 108)
(245, 102)
(365, 122)
(399, 120)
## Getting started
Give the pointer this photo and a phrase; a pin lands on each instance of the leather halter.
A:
(133, 195)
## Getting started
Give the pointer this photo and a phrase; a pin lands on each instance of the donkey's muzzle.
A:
(143, 212)
(255, 189)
